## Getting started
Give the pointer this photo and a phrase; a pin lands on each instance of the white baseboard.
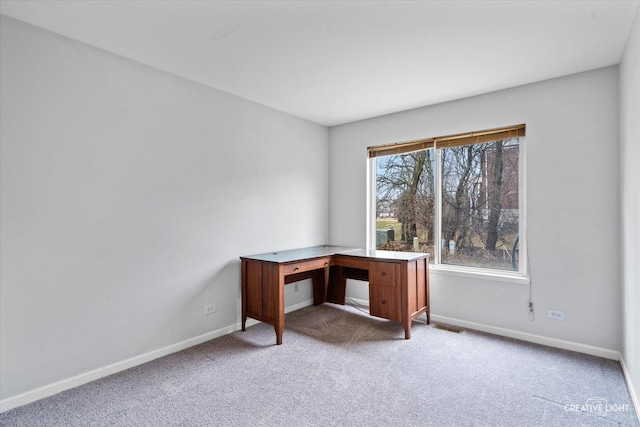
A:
(551, 342)
(289, 309)
(298, 306)
(84, 378)
(523, 336)
(538, 339)
(57, 387)
(632, 392)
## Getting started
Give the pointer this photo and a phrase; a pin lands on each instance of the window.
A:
(458, 197)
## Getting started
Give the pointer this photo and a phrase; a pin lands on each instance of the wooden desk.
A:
(398, 282)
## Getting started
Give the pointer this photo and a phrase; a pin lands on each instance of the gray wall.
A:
(128, 195)
(573, 202)
(630, 195)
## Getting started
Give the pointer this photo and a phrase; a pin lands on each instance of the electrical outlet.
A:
(295, 288)
(555, 314)
(209, 309)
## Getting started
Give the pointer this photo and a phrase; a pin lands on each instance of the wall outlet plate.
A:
(210, 309)
(555, 314)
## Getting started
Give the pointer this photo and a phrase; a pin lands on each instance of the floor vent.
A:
(449, 328)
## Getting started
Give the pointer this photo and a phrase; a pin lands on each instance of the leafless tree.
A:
(406, 183)
(478, 182)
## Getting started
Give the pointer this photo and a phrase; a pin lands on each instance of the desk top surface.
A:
(299, 254)
(384, 255)
(293, 255)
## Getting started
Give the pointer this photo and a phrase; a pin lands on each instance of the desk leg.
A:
(320, 285)
(337, 286)
(407, 280)
(243, 273)
(407, 331)
(279, 313)
(406, 321)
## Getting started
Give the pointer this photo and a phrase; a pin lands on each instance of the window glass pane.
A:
(405, 202)
(480, 200)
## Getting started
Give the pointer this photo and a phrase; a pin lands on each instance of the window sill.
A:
(476, 273)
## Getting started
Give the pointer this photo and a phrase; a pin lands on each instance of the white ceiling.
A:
(334, 62)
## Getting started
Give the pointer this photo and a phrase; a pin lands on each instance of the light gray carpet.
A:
(340, 367)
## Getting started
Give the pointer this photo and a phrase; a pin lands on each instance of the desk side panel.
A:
(412, 287)
(270, 291)
(421, 282)
(253, 287)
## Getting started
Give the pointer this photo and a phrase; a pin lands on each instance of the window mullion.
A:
(371, 204)
(523, 266)
(437, 238)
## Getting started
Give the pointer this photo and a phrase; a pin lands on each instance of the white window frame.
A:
(521, 276)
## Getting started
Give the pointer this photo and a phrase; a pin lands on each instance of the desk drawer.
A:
(383, 273)
(302, 266)
(384, 301)
(350, 261)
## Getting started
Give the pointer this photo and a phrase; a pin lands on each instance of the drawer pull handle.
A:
(384, 301)
(326, 263)
(384, 274)
(296, 269)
